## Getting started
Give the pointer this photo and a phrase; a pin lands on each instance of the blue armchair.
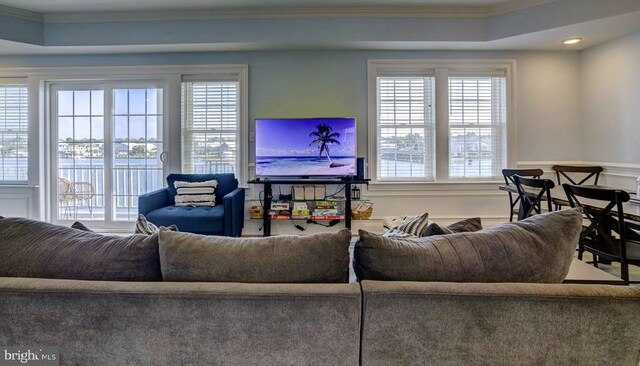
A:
(225, 218)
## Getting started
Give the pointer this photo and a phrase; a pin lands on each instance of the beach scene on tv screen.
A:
(305, 147)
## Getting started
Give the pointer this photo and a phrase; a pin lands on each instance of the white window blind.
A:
(14, 132)
(405, 128)
(210, 127)
(477, 120)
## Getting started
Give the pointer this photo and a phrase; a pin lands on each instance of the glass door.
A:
(136, 148)
(107, 150)
(79, 180)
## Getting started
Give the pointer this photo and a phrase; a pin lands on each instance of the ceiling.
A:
(57, 6)
(38, 27)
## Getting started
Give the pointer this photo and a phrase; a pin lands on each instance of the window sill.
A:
(434, 187)
(438, 183)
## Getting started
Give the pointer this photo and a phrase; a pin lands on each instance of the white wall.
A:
(548, 102)
(610, 78)
(611, 101)
(333, 83)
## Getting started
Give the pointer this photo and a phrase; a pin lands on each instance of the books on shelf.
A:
(326, 210)
(326, 204)
(328, 217)
(306, 217)
(280, 205)
(279, 214)
(299, 217)
(280, 217)
(300, 209)
(332, 209)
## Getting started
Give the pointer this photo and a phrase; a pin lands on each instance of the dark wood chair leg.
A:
(624, 271)
(580, 251)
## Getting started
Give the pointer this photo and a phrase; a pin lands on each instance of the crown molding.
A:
(267, 13)
(512, 6)
(274, 13)
(23, 14)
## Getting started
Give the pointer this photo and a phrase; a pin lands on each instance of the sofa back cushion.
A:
(538, 249)
(319, 258)
(227, 182)
(30, 248)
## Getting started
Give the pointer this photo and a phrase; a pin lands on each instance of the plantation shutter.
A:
(210, 127)
(477, 122)
(14, 133)
(405, 128)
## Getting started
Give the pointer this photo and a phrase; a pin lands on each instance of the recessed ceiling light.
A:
(571, 41)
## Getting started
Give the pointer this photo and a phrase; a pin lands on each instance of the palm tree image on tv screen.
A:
(305, 147)
(324, 136)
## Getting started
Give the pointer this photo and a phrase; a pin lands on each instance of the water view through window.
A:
(14, 126)
(104, 165)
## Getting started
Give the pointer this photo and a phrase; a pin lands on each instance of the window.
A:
(477, 115)
(405, 128)
(111, 133)
(438, 121)
(210, 127)
(14, 131)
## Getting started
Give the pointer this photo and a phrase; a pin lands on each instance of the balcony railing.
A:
(128, 182)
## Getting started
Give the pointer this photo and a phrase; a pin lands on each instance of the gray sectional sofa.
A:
(171, 323)
(131, 321)
(375, 323)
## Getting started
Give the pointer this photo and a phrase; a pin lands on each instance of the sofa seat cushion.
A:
(190, 219)
(316, 258)
(30, 248)
(538, 249)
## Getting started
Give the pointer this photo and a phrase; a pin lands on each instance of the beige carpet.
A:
(614, 269)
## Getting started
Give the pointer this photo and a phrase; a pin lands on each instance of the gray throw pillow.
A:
(147, 228)
(464, 226)
(30, 248)
(319, 258)
(538, 249)
(80, 226)
(411, 226)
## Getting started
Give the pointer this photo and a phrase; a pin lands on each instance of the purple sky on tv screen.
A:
(290, 137)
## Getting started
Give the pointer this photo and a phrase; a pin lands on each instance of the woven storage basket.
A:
(362, 215)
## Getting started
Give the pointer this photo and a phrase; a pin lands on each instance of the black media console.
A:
(268, 195)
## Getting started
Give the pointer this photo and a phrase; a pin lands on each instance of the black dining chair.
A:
(514, 198)
(577, 174)
(532, 192)
(607, 236)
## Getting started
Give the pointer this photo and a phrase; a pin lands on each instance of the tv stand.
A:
(268, 196)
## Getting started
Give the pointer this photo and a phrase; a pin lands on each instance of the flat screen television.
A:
(305, 147)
